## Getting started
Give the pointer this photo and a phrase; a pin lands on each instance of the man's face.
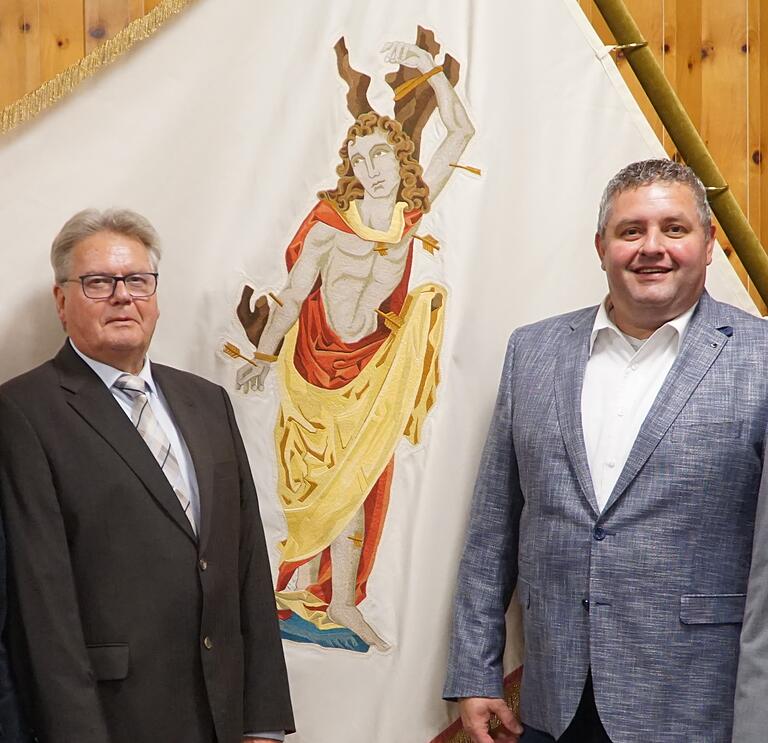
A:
(375, 164)
(655, 254)
(116, 331)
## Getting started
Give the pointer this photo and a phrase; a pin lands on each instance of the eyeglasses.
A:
(102, 286)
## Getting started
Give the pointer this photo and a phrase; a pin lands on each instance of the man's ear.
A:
(60, 298)
(600, 250)
(711, 243)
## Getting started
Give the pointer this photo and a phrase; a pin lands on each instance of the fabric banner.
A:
(379, 331)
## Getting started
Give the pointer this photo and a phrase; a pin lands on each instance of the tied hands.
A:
(251, 376)
(476, 713)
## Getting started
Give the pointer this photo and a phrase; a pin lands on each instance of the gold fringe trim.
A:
(52, 91)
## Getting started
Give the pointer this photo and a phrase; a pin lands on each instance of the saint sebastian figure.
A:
(357, 357)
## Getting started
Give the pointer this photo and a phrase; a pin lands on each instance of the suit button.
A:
(599, 533)
(203, 564)
(208, 643)
(585, 604)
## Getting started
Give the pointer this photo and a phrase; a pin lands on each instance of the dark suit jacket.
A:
(11, 728)
(128, 628)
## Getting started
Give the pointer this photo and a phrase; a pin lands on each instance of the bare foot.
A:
(351, 618)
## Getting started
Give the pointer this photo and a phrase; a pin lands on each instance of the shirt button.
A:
(207, 643)
(620, 412)
(633, 367)
(203, 564)
(610, 464)
(599, 534)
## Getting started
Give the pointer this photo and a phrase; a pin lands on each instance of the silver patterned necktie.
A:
(135, 390)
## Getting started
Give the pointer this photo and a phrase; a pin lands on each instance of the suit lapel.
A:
(188, 418)
(702, 344)
(569, 379)
(90, 398)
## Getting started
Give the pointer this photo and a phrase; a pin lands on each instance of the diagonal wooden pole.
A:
(689, 143)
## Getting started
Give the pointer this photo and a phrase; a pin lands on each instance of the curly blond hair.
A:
(413, 190)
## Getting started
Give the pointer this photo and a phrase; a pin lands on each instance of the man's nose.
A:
(370, 164)
(653, 243)
(121, 295)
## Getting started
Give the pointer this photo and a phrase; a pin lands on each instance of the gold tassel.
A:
(52, 91)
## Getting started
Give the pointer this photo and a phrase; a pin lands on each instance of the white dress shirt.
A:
(158, 403)
(621, 380)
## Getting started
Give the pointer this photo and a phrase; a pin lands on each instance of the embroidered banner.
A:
(358, 204)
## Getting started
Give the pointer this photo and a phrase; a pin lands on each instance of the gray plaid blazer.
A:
(650, 593)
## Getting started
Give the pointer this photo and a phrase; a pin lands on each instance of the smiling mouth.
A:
(650, 271)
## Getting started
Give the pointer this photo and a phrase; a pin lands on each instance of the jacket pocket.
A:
(717, 608)
(110, 661)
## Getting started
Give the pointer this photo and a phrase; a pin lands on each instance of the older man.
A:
(617, 493)
(142, 590)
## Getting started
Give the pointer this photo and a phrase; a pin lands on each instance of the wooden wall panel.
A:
(683, 42)
(724, 73)
(752, 204)
(760, 158)
(104, 18)
(62, 40)
(19, 44)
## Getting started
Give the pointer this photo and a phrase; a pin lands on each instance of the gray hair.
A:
(646, 172)
(92, 221)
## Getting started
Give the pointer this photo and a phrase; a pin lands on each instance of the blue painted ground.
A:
(300, 630)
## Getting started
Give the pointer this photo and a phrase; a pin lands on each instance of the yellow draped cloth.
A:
(334, 444)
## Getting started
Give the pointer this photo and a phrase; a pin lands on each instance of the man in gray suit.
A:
(617, 493)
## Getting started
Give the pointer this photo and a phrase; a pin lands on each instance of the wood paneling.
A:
(104, 18)
(62, 38)
(19, 48)
(760, 157)
(714, 52)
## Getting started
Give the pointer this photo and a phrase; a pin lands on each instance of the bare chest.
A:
(355, 258)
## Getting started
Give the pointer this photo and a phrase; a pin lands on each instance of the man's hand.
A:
(252, 376)
(408, 55)
(476, 713)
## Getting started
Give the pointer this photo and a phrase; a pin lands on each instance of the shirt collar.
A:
(109, 375)
(603, 322)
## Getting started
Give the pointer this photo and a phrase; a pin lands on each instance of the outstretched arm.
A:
(452, 113)
(284, 314)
